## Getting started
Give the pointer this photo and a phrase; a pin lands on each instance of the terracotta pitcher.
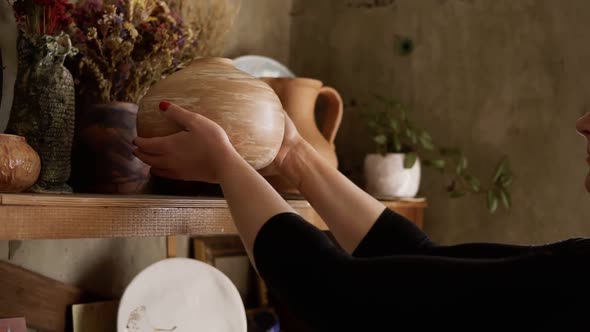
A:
(299, 97)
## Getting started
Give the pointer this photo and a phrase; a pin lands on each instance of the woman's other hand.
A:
(201, 152)
(291, 140)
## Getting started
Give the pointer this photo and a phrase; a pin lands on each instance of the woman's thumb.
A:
(182, 117)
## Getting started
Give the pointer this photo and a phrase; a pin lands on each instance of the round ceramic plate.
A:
(181, 295)
(260, 66)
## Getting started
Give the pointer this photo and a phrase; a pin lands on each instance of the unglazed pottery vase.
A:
(103, 160)
(245, 107)
(387, 178)
(44, 108)
(299, 97)
(19, 164)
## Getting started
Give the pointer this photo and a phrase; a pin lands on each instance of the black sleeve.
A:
(334, 291)
(392, 234)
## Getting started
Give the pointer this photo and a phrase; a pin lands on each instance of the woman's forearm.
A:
(251, 200)
(349, 211)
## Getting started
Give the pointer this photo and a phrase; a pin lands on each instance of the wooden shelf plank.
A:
(145, 201)
(41, 216)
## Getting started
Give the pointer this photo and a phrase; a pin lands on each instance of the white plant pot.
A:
(387, 177)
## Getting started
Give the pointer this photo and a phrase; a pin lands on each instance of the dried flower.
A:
(43, 17)
(128, 45)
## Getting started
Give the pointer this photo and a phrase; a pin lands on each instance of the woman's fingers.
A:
(184, 118)
(157, 161)
(155, 145)
(160, 145)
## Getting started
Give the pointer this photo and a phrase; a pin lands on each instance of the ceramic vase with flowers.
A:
(125, 48)
(44, 103)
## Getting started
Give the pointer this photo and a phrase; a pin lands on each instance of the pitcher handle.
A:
(333, 116)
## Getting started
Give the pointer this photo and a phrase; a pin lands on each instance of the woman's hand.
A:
(291, 140)
(201, 152)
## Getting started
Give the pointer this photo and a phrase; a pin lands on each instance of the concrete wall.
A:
(496, 77)
(263, 27)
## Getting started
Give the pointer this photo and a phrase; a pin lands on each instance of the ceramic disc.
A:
(181, 295)
(260, 66)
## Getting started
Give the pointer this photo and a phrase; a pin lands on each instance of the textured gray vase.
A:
(44, 108)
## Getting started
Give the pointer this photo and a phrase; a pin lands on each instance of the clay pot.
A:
(103, 160)
(299, 97)
(248, 110)
(19, 164)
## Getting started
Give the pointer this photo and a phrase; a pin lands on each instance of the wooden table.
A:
(43, 216)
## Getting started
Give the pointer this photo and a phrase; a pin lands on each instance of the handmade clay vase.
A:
(20, 165)
(103, 160)
(44, 108)
(247, 108)
(299, 97)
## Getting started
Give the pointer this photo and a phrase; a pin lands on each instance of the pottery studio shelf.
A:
(42, 216)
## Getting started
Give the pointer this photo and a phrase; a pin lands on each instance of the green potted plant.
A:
(394, 169)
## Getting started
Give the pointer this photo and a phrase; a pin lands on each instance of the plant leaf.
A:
(380, 139)
(459, 170)
(463, 162)
(426, 141)
(492, 201)
(473, 182)
(461, 166)
(427, 145)
(410, 160)
(411, 135)
(425, 135)
(506, 180)
(501, 170)
(394, 125)
(438, 163)
(506, 199)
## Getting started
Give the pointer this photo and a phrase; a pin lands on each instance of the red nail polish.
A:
(164, 105)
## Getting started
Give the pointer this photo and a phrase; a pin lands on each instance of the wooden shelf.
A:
(42, 216)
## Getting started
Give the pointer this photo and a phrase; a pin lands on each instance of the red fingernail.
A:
(164, 105)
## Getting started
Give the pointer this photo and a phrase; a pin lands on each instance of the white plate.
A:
(181, 295)
(260, 66)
